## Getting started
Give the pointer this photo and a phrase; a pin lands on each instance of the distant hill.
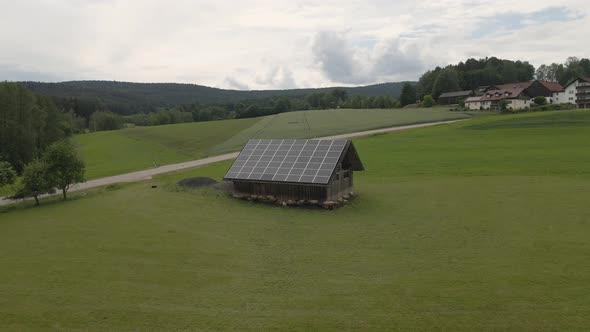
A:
(126, 97)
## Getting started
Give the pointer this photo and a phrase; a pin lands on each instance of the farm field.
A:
(478, 225)
(132, 149)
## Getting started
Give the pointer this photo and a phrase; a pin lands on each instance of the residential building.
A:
(577, 92)
(517, 95)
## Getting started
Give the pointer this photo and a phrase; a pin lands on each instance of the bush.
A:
(428, 101)
(7, 173)
(540, 100)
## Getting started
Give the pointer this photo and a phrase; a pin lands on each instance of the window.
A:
(346, 174)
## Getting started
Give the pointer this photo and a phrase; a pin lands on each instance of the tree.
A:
(35, 182)
(28, 124)
(426, 82)
(408, 95)
(104, 120)
(503, 105)
(339, 94)
(446, 81)
(461, 102)
(7, 173)
(64, 166)
(428, 101)
(540, 100)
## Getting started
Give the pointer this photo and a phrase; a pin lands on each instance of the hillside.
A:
(128, 96)
(132, 149)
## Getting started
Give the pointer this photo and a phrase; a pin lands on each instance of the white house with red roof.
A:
(518, 95)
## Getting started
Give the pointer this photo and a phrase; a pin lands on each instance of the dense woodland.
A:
(29, 124)
(131, 98)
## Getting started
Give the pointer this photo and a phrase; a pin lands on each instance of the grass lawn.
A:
(481, 225)
(121, 151)
(132, 149)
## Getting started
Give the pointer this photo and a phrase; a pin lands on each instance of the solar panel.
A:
(287, 160)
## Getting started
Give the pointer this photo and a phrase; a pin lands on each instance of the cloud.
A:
(336, 57)
(233, 83)
(509, 21)
(278, 76)
(262, 44)
(12, 72)
(350, 62)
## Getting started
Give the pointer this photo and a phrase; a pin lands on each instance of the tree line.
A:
(195, 112)
(471, 74)
(565, 72)
(126, 98)
(33, 143)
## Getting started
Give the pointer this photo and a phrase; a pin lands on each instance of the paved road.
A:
(148, 173)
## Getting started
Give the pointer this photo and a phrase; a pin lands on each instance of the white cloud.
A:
(261, 44)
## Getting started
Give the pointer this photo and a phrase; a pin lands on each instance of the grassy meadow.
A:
(478, 225)
(132, 149)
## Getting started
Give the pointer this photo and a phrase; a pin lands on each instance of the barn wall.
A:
(340, 184)
(282, 191)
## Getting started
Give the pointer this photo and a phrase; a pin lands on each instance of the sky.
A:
(264, 44)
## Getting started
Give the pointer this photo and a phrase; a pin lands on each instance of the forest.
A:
(30, 123)
(127, 98)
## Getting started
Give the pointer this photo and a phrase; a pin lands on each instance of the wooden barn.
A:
(295, 169)
(449, 98)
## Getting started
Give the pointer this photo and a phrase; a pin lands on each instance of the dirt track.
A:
(148, 173)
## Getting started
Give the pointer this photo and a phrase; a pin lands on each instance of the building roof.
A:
(553, 86)
(456, 94)
(500, 94)
(512, 86)
(473, 99)
(580, 78)
(292, 160)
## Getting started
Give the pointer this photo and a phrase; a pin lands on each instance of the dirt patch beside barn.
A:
(196, 182)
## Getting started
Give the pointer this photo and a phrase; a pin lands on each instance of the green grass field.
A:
(478, 225)
(132, 149)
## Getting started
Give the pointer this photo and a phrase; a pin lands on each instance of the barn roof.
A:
(473, 99)
(552, 86)
(456, 94)
(292, 160)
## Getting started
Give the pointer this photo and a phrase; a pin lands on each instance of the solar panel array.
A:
(287, 160)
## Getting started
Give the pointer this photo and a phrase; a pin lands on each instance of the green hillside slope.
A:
(121, 151)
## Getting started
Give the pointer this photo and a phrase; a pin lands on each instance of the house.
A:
(449, 98)
(516, 98)
(517, 95)
(295, 169)
(577, 92)
(473, 103)
(481, 90)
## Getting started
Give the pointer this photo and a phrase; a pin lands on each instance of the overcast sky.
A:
(259, 44)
